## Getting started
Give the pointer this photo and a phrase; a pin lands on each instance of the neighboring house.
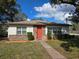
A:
(18, 30)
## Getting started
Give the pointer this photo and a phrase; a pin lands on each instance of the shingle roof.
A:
(28, 22)
(36, 22)
(57, 24)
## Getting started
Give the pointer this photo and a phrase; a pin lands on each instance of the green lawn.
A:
(30, 50)
(74, 54)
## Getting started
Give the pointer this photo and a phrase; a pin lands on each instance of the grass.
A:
(74, 54)
(29, 50)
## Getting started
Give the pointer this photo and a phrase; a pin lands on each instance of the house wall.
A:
(12, 32)
(46, 30)
(63, 29)
(54, 28)
(30, 29)
(57, 30)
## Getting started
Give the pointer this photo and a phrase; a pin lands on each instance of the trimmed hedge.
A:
(30, 36)
(49, 35)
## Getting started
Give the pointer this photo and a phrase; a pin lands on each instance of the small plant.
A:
(30, 36)
(49, 35)
(66, 46)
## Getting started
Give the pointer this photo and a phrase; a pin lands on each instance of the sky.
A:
(42, 8)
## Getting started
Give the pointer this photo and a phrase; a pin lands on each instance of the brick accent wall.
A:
(18, 37)
(44, 37)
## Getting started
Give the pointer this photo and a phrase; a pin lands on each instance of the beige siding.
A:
(12, 31)
(46, 30)
(30, 29)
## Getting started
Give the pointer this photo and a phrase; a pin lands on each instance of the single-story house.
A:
(18, 30)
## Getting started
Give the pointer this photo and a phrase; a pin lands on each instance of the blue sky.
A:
(42, 8)
(27, 6)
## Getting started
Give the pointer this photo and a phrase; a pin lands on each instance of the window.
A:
(56, 30)
(21, 30)
(24, 30)
(50, 29)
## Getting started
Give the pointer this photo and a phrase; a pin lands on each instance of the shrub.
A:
(59, 36)
(30, 36)
(66, 46)
(66, 36)
(3, 32)
(49, 35)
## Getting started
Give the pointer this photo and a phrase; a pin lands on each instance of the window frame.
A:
(22, 30)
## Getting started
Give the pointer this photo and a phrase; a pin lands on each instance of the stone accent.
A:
(18, 37)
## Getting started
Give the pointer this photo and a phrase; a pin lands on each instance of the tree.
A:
(72, 2)
(63, 1)
(72, 41)
(20, 17)
(75, 18)
(8, 10)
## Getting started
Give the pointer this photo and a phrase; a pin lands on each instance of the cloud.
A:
(65, 8)
(60, 12)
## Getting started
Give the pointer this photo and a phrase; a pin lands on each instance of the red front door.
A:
(39, 32)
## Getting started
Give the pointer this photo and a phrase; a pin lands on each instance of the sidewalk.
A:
(52, 52)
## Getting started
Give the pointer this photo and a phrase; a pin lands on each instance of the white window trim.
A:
(21, 31)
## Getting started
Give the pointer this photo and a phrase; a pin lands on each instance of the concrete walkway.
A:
(52, 52)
